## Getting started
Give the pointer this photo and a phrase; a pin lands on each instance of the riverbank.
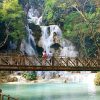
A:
(72, 78)
(39, 81)
(22, 80)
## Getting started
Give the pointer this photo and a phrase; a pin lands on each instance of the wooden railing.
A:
(22, 62)
(6, 97)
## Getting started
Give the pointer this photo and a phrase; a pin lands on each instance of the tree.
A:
(29, 75)
(79, 20)
(12, 15)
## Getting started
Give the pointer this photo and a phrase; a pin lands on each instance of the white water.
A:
(47, 36)
(33, 16)
(65, 77)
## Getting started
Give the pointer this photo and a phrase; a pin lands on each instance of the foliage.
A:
(76, 26)
(54, 11)
(12, 15)
(49, 11)
(97, 79)
(29, 75)
(69, 24)
(79, 21)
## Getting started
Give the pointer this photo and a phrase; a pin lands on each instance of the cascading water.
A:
(46, 40)
(47, 36)
(28, 46)
(68, 50)
(33, 16)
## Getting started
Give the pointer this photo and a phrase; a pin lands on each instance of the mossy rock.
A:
(9, 79)
(3, 81)
(12, 79)
(36, 31)
(97, 79)
(15, 79)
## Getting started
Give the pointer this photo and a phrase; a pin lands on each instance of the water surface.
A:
(52, 91)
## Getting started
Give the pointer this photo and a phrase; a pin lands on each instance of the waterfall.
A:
(46, 40)
(28, 46)
(47, 36)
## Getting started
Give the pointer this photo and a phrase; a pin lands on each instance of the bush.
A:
(97, 79)
(30, 75)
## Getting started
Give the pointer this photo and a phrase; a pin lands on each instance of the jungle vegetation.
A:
(11, 22)
(78, 19)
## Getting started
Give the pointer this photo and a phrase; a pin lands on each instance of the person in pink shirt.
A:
(44, 56)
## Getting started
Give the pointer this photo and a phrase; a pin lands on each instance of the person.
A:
(44, 56)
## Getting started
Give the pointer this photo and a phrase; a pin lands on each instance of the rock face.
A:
(12, 79)
(37, 3)
(36, 31)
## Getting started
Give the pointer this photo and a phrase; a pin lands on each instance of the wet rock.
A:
(12, 79)
(36, 31)
(15, 79)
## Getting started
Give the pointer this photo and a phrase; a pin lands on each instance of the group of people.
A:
(46, 56)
